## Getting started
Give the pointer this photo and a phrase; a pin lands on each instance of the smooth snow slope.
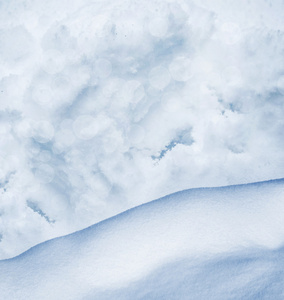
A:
(211, 243)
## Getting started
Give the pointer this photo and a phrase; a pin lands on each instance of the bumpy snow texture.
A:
(107, 104)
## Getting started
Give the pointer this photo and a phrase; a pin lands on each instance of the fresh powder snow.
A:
(208, 243)
(106, 104)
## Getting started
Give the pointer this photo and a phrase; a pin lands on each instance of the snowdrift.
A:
(208, 243)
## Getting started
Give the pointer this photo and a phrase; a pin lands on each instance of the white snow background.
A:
(105, 105)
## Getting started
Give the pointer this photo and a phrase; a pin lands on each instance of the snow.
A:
(207, 243)
(107, 104)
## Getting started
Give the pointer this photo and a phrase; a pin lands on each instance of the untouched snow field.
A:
(208, 243)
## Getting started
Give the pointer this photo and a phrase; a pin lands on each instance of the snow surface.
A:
(105, 104)
(208, 243)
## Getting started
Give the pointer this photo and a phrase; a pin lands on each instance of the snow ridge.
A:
(223, 242)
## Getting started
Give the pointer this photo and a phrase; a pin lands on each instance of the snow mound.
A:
(208, 243)
(106, 104)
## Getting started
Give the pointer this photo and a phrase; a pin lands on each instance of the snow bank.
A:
(106, 104)
(211, 243)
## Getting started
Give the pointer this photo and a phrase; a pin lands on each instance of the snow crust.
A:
(210, 243)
